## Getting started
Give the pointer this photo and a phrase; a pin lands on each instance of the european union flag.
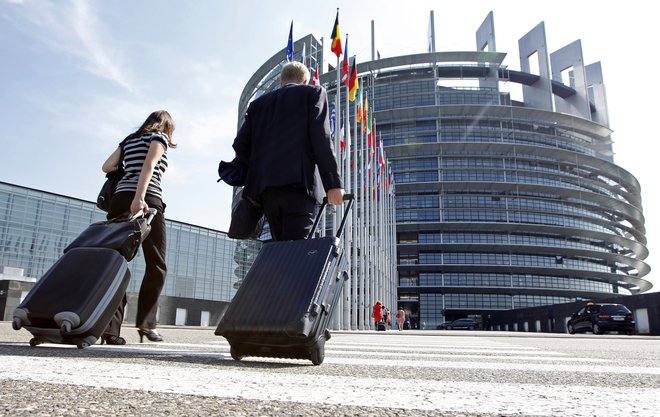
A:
(289, 45)
(333, 117)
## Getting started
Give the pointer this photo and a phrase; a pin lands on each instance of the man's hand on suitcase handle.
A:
(335, 196)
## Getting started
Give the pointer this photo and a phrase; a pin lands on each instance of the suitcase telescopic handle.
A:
(151, 213)
(347, 197)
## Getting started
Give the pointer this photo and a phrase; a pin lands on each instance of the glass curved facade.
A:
(502, 206)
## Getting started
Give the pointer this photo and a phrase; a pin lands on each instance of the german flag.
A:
(353, 82)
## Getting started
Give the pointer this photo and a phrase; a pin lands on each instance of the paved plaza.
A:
(409, 373)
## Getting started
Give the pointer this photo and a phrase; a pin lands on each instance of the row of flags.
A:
(373, 262)
(354, 90)
(355, 94)
(371, 234)
(349, 78)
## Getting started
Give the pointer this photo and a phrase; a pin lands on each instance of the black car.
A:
(458, 324)
(600, 318)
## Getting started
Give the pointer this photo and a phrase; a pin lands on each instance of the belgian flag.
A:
(336, 38)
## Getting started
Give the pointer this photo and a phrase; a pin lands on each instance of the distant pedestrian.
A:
(400, 318)
(378, 313)
(551, 320)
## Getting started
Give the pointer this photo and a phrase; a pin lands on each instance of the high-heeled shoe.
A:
(110, 339)
(151, 335)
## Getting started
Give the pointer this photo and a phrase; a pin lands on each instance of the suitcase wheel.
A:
(235, 354)
(65, 328)
(35, 341)
(318, 353)
(82, 344)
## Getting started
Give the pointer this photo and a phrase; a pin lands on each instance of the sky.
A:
(79, 75)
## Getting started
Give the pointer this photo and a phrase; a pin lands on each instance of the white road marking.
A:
(478, 397)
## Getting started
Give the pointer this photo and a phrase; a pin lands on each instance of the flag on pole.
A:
(289, 45)
(365, 115)
(371, 127)
(342, 145)
(353, 82)
(381, 156)
(370, 138)
(359, 102)
(302, 56)
(368, 172)
(315, 78)
(345, 71)
(333, 117)
(336, 37)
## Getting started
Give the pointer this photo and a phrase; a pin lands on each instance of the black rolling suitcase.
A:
(283, 306)
(75, 299)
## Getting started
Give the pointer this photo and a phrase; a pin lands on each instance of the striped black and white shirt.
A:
(135, 151)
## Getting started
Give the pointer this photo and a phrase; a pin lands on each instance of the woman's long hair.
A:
(158, 121)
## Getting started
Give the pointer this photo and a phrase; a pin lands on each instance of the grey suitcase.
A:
(75, 299)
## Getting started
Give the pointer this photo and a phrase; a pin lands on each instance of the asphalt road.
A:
(410, 373)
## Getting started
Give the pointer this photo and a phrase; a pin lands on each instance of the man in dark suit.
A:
(286, 145)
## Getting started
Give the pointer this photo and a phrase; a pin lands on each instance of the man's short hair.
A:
(295, 72)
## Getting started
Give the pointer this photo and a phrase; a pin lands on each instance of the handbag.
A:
(111, 180)
(247, 219)
(122, 234)
(108, 189)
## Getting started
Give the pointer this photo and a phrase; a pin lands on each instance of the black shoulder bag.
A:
(110, 185)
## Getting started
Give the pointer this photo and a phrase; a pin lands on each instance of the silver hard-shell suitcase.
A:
(75, 299)
(73, 302)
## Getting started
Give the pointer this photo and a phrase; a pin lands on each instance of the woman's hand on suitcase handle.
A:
(138, 206)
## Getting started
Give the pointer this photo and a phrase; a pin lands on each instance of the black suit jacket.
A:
(284, 139)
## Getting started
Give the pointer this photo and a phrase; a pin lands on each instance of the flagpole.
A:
(346, 175)
(319, 63)
(381, 218)
(372, 209)
(335, 319)
(368, 229)
(363, 316)
(354, 171)
(346, 325)
(337, 126)
(347, 186)
(336, 35)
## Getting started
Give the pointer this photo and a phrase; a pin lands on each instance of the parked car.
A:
(458, 324)
(600, 318)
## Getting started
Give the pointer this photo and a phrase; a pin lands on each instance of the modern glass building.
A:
(205, 267)
(502, 202)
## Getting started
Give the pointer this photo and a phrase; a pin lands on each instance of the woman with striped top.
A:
(144, 154)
